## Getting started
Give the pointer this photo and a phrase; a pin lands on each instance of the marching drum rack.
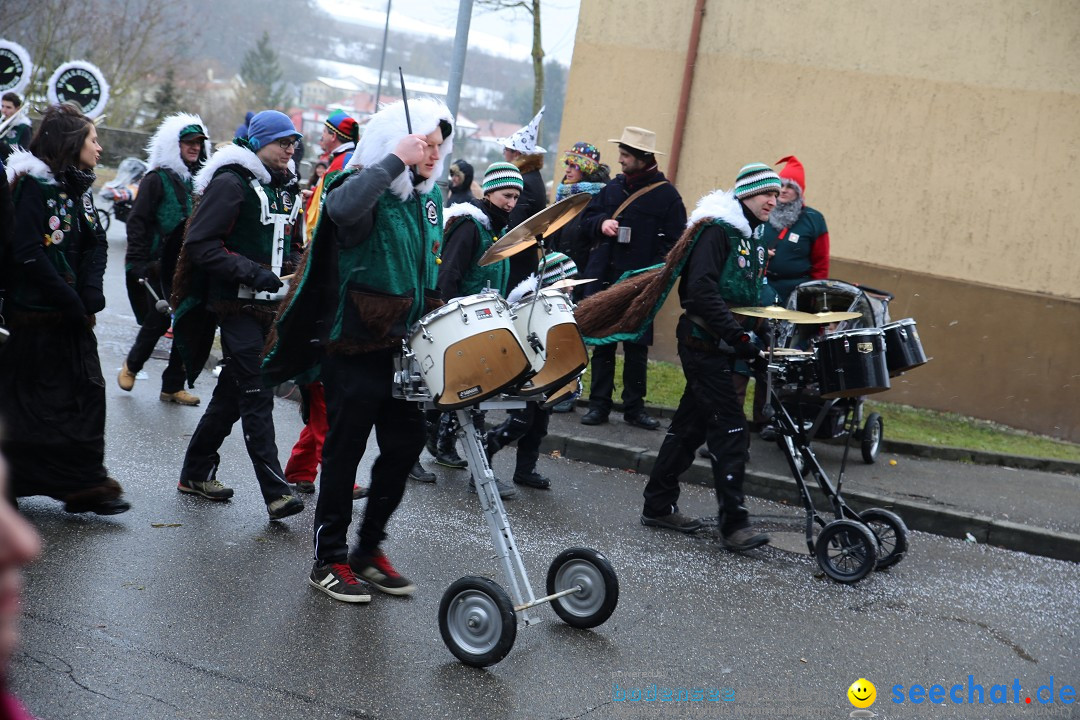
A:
(477, 616)
(852, 545)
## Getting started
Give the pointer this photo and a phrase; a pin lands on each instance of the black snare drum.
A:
(903, 349)
(852, 363)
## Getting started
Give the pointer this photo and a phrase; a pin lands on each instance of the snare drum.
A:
(546, 328)
(903, 349)
(852, 363)
(468, 350)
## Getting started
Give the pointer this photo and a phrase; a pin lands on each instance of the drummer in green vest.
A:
(366, 278)
(469, 230)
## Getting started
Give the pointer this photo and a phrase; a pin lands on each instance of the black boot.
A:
(431, 425)
(446, 445)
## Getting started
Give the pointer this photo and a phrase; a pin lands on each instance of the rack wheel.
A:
(476, 621)
(103, 219)
(891, 534)
(599, 593)
(871, 437)
(846, 550)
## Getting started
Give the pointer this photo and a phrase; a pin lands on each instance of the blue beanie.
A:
(267, 126)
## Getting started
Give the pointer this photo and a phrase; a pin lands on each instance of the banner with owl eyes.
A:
(14, 67)
(82, 84)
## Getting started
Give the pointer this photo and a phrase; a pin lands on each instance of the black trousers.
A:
(709, 412)
(239, 395)
(154, 326)
(528, 426)
(635, 370)
(358, 398)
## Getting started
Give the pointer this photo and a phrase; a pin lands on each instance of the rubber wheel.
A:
(103, 219)
(599, 594)
(891, 534)
(871, 438)
(846, 550)
(477, 621)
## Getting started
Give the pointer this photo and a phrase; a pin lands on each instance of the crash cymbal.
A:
(775, 312)
(569, 283)
(524, 235)
(831, 317)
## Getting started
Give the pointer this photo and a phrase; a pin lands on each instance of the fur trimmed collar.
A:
(163, 150)
(720, 205)
(465, 209)
(230, 155)
(386, 128)
(22, 162)
(528, 163)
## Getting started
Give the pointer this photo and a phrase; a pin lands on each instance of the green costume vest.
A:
(478, 277)
(396, 261)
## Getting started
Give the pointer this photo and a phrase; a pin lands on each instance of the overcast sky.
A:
(504, 33)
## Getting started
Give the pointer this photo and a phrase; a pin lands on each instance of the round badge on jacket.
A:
(432, 212)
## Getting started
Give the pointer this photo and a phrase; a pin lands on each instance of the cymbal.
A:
(831, 317)
(775, 312)
(569, 283)
(524, 235)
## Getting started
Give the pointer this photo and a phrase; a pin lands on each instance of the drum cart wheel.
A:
(872, 433)
(891, 534)
(597, 587)
(846, 550)
(476, 621)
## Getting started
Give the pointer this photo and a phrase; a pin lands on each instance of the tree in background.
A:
(262, 76)
(533, 8)
(166, 98)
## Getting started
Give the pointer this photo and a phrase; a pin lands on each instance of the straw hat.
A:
(639, 139)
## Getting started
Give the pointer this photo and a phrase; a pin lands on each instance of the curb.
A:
(917, 515)
(933, 452)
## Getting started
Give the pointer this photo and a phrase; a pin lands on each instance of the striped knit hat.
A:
(502, 175)
(343, 126)
(556, 266)
(755, 179)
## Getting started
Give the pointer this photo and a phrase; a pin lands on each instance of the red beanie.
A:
(794, 172)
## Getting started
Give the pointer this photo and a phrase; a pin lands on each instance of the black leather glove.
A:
(746, 350)
(265, 280)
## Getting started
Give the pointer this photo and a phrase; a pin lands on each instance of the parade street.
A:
(185, 608)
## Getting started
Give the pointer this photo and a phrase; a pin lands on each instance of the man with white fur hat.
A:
(722, 262)
(155, 232)
(367, 276)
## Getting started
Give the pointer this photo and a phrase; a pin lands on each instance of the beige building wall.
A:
(940, 140)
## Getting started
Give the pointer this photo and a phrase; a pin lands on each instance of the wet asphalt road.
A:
(184, 608)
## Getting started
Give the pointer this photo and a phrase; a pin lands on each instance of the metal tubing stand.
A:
(502, 537)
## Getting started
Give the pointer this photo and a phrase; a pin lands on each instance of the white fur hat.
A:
(386, 128)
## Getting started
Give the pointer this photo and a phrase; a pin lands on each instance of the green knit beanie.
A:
(502, 175)
(754, 179)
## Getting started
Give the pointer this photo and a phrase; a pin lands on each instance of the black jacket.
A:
(533, 199)
(656, 220)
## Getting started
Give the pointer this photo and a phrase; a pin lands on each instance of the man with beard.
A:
(628, 237)
(795, 236)
(797, 241)
(722, 262)
(155, 232)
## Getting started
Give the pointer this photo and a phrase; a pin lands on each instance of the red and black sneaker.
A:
(337, 581)
(376, 569)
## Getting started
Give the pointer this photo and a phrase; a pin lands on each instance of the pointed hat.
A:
(524, 140)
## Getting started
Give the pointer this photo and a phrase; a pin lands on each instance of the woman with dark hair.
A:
(52, 393)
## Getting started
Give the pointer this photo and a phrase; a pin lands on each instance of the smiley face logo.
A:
(862, 693)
